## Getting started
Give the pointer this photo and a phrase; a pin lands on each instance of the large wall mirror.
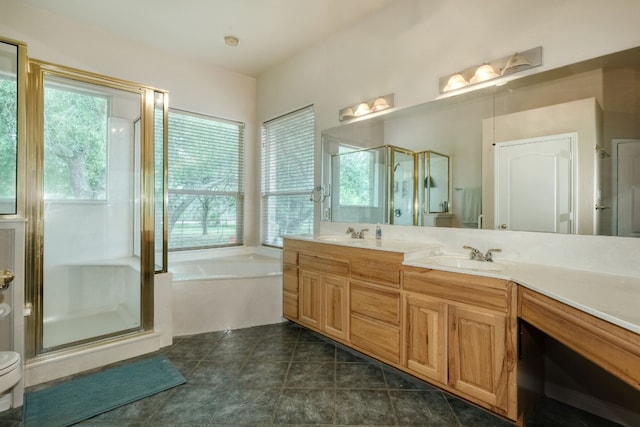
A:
(557, 151)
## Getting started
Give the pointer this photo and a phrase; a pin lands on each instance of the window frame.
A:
(238, 194)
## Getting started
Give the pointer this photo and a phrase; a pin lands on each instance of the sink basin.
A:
(465, 263)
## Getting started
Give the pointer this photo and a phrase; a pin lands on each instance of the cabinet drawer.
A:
(376, 303)
(290, 257)
(465, 288)
(373, 271)
(290, 279)
(323, 264)
(376, 338)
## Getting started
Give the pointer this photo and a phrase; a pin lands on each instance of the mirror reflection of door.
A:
(627, 163)
(535, 185)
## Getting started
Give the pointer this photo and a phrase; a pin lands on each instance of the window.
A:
(287, 175)
(206, 191)
(75, 143)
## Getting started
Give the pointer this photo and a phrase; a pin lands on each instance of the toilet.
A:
(10, 371)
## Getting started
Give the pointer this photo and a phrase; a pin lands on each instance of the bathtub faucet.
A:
(356, 234)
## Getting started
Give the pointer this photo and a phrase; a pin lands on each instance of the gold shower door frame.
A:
(34, 200)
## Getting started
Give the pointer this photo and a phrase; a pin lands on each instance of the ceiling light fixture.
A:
(363, 108)
(519, 61)
(231, 40)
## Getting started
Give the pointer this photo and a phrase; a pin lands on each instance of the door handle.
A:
(6, 277)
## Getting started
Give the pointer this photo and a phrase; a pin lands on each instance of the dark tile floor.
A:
(284, 375)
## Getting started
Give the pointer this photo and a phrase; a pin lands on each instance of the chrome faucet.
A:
(356, 234)
(474, 254)
(478, 256)
(489, 255)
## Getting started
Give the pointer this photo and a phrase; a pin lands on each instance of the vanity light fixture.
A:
(456, 81)
(515, 63)
(363, 108)
(483, 73)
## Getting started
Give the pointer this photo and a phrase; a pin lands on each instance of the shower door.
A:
(93, 248)
(90, 275)
(402, 197)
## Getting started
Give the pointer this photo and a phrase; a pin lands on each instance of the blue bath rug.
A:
(79, 399)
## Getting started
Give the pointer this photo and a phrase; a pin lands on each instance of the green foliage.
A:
(8, 137)
(356, 178)
(75, 145)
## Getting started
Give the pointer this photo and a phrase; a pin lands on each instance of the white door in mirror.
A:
(535, 185)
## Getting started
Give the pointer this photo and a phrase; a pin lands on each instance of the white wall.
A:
(193, 86)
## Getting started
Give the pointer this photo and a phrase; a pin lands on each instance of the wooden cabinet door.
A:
(477, 355)
(425, 335)
(309, 299)
(336, 306)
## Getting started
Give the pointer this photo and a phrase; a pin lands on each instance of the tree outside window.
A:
(75, 145)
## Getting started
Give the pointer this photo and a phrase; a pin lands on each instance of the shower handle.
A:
(7, 277)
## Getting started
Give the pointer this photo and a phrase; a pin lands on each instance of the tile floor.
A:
(284, 375)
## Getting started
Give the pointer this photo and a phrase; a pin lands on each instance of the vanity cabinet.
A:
(461, 331)
(456, 331)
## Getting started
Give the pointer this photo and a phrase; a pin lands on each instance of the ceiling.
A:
(270, 31)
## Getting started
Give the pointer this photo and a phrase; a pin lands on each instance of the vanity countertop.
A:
(609, 297)
(410, 248)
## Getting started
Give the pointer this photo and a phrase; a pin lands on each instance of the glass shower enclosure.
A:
(374, 185)
(93, 196)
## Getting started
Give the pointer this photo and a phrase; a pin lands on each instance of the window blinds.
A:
(287, 175)
(206, 181)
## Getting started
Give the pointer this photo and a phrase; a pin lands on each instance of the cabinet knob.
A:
(503, 226)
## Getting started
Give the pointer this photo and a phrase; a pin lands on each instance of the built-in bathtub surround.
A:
(223, 289)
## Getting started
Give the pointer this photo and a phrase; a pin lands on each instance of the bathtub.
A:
(222, 289)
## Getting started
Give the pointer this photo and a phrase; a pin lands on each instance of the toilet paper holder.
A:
(6, 277)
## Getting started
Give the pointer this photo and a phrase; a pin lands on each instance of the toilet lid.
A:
(7, 360)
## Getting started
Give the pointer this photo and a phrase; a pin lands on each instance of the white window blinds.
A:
(287, 175)
(206, 189)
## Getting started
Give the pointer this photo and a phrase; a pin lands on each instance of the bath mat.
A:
(85, 397)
